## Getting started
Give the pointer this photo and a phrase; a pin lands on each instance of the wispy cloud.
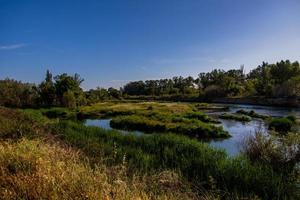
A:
(12, 46)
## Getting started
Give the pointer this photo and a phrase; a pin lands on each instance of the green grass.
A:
(196, 161)
(242, 118)
(180, 118)
(282, 125)
(183, 126)
(252, 114)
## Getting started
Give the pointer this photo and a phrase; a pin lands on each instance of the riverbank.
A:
(276, 102)
(256, 100)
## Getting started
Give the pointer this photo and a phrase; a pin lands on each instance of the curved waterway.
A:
(238, 130)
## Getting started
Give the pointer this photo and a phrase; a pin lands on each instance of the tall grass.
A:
(196, 161)
(37, 165)
(31, 169)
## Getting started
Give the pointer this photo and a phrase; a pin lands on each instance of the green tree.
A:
(47, 90)
(65, 83)
(69, 99)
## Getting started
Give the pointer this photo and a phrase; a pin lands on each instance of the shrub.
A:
(62, 113)
(282, 153)
(15, 124)
(281, 124)
(292, 118)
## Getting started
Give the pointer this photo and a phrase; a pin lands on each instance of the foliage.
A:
(17, 94)
(283, 125)
(47, 90)
(69, 100)
(274, 80)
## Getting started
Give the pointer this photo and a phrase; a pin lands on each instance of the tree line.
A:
(281, 79)
(62, 90)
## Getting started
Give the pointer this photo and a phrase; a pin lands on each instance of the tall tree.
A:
(47, 90)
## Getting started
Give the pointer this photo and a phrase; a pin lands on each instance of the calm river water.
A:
(238, 130)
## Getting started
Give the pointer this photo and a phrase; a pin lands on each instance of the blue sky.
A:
(112, 42)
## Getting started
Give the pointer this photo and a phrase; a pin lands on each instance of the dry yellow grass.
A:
(33, 169)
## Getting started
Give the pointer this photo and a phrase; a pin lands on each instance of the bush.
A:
(62, 113)
(281, 124)
(282, 153)
(292, 118)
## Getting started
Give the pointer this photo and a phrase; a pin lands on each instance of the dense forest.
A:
(281, 79)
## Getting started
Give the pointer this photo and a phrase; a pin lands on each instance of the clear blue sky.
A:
(112, 42)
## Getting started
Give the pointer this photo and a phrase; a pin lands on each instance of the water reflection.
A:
(105, 123)
(239, 132)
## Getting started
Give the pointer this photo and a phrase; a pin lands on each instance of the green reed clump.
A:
(242, 118)
(282, 125)
(252, 113)
(200, 116)
(189, 127)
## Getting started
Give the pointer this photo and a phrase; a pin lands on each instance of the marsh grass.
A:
(197, 162)
(282, 125)
(180, 118)
(252, 113)
(242, 118)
